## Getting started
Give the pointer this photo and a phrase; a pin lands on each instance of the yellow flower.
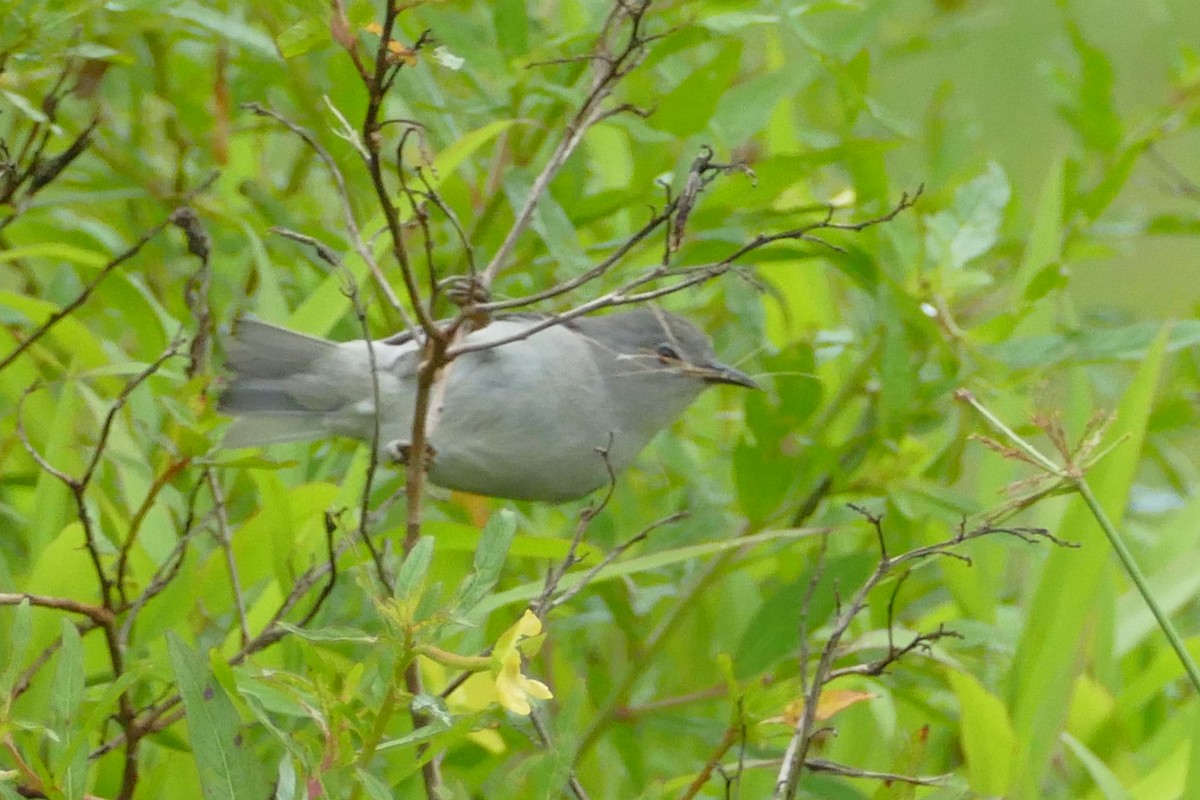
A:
(512, 688)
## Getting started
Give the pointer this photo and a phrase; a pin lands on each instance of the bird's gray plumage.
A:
(526, 420)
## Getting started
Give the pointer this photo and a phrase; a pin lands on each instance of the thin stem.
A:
(1139, 580)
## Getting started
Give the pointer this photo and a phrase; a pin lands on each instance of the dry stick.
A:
(690, 276)
(433, 355)
(104, 272)
(159, 582)
(833, 768)
(30, 166)
(732, 735)
(97, 614)
(434, 372)
(795, 755)
(195, 293)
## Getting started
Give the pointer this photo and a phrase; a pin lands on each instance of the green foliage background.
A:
(1049, 268)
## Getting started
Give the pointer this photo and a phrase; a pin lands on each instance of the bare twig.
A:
(97, 614)
(795, 758)
(611, 70)
(196, 292)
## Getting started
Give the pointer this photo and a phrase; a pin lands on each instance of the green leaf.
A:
(1093, 113)
(307, 34)
(1050, 278)
(771, 633)
(19, 629)
(1113, 179)
(411, 575)
(463, 147)
(1065, 601)
(1106, 781)
(763, 476)
(376, 789)
(227, 26)
(27, 108)
(489, 560)
(68, 674)
(227, 767)
(688, 108)
(549, 220)
(971, 226)
(646, 563)
(988, 740)
(58, 251)
(330, 634)
(1043, 248)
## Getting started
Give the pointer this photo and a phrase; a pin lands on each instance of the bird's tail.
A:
(269, 366)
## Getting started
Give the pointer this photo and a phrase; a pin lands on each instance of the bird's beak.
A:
(719, 373)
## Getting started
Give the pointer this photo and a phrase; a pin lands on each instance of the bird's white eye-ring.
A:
(666, 353)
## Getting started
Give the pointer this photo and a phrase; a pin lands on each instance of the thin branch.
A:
(590, 111)
(97, 614)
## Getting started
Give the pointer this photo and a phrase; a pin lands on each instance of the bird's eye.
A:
(666, 353)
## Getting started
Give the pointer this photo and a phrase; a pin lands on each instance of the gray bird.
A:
(533, 419)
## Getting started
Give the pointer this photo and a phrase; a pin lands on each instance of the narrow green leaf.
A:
(1192, 781)
(1115, 176)
(1048, 655)
(489, 560)
(987, 736)
(411, 575)
(27, 108)
(1093, 113)
(1106, 781)
(59, 251)
(68, 674)
(375, 788)
(1043, 247)
(771, 633)
(19, 629)
(549, 220)
(633, 566)
(227, 768)
(227, 26)
(450, 159)
(330, 634)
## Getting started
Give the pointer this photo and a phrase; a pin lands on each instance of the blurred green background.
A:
(1055, 238)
